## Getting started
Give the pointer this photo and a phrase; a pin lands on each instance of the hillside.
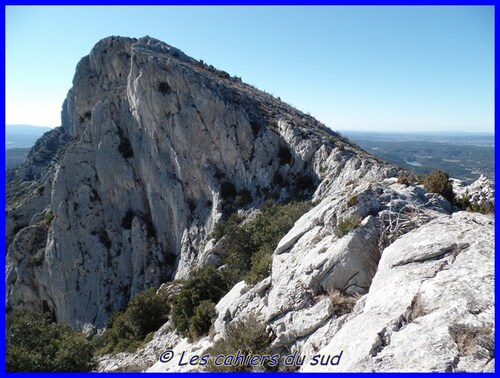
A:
(239, 212)
(465, 156)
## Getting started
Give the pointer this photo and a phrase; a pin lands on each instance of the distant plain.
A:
(463, 155)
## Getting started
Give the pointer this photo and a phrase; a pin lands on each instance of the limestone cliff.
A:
(155, 147)
(160, 146)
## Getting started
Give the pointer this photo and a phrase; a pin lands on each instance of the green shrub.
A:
(207, 284)
(484, 208)
(238, 250)
(228, 208)
(260, 265)
(347, 224)
(119, 336)
(464, 204)
(222, 227)
(204, 315)
(36, 344)
(248, 337)
(49, 218)
(145, 313)
(439, 182)
(249, 247)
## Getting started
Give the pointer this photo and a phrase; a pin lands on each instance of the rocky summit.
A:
(157, 153)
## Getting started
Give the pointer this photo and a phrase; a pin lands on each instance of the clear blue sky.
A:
(353, 68)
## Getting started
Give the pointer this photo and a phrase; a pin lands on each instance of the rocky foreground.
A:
(154, 148)
(430, 304)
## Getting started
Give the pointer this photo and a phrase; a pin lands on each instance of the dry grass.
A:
(415, 310)
(470, 339)
(342, 303)
(344, 226)
(353, 200)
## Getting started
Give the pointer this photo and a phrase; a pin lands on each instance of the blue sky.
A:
(353, 68)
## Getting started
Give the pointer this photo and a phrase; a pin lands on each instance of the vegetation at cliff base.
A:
(36, 344)
(194, 307)
(465, 204)
(248, 247)
(247, 337)
(145, 313)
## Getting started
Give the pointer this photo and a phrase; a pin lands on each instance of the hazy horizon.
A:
(361, 131)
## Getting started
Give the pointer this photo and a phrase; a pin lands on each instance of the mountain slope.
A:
(159, 143)
(153, 151)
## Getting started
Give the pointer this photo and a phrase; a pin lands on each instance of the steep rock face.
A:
(160, 144)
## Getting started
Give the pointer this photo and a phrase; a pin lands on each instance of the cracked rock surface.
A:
(430, 306)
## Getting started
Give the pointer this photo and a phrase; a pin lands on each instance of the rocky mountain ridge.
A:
(174, 133)
(153, 151)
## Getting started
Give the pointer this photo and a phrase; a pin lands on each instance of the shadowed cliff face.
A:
(160, 146)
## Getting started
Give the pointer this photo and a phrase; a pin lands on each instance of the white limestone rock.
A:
(480, 192)
(430, 282)
(297, 324)
(137, 191)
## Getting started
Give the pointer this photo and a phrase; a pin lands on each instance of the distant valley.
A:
(463, 155)
(18, 141)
